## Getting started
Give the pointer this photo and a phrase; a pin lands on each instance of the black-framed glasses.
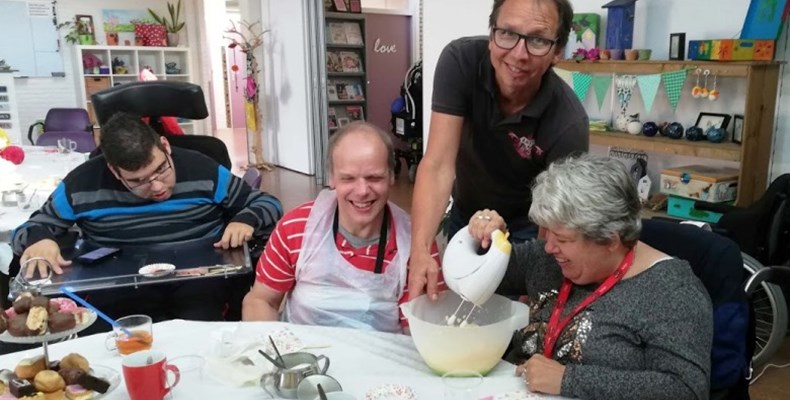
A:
(536, 45)
(141, 184)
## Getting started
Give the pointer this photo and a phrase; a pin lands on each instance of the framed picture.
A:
(340, 5)
(677, 46)
(343, 121)
(737, 129)
(710, 120)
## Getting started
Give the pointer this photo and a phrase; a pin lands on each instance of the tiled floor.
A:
(293, 188)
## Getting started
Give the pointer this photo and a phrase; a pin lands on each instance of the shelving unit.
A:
(753, 154)
(9, 109)
(134, 59)
(346, 70)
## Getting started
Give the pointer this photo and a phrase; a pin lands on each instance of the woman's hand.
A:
(483, 223)
(542, 374)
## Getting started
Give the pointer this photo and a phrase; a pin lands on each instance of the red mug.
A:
(145, 373)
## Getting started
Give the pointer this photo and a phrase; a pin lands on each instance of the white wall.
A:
(39, 94)
(443, 22)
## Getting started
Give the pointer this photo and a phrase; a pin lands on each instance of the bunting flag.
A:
(601, 85)
(565, 75)
(673, 84)
(648, 86)
(581, 85)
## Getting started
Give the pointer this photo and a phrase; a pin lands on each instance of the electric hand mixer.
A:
(472, 276)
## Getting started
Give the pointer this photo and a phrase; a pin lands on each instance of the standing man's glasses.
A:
(536, 45)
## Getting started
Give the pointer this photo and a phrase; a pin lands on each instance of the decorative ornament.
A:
(715, 135)
(650, 129)
(714, 93)
(249, 37)
(696, 91)
(674, 130)
(694, 133)
(704, 93)
(15, 154)
(625, 87)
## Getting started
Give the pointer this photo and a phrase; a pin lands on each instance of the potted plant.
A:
(173, 25)
(79, 30)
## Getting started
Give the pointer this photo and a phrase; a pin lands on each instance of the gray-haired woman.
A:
(611, 317)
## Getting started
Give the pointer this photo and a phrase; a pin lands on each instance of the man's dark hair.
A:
(127, 141)
(564, 10)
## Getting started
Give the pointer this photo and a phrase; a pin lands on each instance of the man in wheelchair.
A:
(142, 191)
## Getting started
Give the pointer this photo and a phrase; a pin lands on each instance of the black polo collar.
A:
(537, 106)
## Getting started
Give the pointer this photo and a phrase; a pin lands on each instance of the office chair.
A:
(71, 123)
(717, 262)
(85, 142)
(155, 99)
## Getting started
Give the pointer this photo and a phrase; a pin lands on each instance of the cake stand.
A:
(49, 337)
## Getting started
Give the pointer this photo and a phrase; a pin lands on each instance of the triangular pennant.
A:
(673, 84)
(601, 85)
(565, 75)
(648, 86)
(581, 85)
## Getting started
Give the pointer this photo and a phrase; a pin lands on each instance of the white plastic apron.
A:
(330, 291)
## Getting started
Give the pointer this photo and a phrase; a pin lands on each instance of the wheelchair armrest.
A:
(776, 274)
(721, 208)
(30, 132)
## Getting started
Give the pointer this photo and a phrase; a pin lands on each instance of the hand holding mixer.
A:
(473, 276)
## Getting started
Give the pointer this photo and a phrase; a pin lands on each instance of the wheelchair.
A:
(406, 121)
(762, 231)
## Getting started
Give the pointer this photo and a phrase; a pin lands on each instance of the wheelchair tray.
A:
(192, 260)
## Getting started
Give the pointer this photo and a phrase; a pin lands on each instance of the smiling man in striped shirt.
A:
(340, 259)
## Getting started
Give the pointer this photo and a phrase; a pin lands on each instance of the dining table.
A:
(37, 176)
(367, 364)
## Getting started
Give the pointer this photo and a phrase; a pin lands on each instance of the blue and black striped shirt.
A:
(205, 198)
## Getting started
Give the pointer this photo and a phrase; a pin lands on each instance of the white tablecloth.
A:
(359, 360)
(41, 171)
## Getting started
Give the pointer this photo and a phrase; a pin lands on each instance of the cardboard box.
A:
(712, 184)
(684, 208)
(732, 50)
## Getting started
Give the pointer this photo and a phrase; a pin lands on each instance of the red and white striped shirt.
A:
(277, 266)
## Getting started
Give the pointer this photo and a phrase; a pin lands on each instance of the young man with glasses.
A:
(142, 191)
(499, 116)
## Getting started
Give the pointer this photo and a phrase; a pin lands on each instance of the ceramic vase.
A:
(172, 39)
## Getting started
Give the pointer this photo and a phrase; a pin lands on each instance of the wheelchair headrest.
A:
(151, 99)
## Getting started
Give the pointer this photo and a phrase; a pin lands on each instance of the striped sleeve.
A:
(250, 206)
(277, 265)
(53, 219)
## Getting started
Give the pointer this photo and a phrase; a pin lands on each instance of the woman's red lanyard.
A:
(556, 326)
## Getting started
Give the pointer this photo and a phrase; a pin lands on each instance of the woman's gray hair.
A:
(592, 195)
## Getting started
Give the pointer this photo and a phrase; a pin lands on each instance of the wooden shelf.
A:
(683, 147)
(345, 74)
(345, 46)
(721, 68)
(347, 101)
(753, 154)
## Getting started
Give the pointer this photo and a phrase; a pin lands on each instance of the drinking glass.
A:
(462, 385)
(142, 336)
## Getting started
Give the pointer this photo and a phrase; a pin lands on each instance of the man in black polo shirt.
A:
(500, 115)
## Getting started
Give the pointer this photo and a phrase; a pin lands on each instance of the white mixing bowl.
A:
(478, 347)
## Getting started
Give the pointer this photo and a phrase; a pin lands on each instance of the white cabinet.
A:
(122, 64)
(9, 109)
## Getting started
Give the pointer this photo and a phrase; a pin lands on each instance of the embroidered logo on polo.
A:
(525, 146)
